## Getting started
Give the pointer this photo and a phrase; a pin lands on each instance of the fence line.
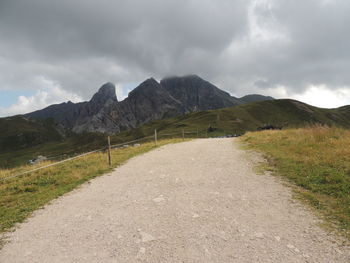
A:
(52, 164)
(124, 143)
(69, 159)
(87, 153)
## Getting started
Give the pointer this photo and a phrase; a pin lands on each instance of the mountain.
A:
(283, 113)
(196, 94)
(18, 132)
(73, 115)
(149, 101)
(254, 98)
(24, 138)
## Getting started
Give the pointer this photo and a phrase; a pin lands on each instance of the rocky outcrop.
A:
(105, 93)
(149, 101)
(197, 94)
(77, 116)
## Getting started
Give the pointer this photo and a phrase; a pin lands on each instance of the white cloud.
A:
(321, 96)
(48, 93)
(120, 92)
(278, 92)
(262, 25)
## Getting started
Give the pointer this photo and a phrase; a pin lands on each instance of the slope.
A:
(234, 120)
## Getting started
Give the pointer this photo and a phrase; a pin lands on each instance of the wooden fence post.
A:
(155, 136)
(197, 132)
(109, 152)
(183, 134)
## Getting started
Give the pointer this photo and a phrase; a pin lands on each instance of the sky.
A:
(55, 51)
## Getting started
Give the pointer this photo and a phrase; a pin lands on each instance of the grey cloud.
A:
(81, 44)
(317, 51)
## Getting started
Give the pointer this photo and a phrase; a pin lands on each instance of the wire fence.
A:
(108, 147)
(133, 141)
(49, 165)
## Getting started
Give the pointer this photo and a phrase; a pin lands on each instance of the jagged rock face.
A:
(93, 116)
(65, 113)
(105, 93)
(84, 116)
(95, 121)
(149, 101)
(197, 94)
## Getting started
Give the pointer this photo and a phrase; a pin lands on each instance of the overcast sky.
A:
(55, 51)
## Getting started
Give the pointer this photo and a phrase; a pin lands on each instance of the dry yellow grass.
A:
(318, 160)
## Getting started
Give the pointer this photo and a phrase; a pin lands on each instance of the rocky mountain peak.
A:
(188, 84)
(196, 93)
(151, 82)
(149, 101)
(149, 86)
(106, 92)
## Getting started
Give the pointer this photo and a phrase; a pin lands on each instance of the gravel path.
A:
(197, 201)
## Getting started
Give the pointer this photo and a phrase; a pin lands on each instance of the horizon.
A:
(122, 96)
(131, 86)
(50, 55)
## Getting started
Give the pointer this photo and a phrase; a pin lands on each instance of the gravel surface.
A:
(198, 201)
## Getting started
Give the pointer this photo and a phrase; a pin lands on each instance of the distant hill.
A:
(284, 113)
(18, 132)
(254, 98)
(171, 105)
(22, 139)
(149, 101)
(196, 94)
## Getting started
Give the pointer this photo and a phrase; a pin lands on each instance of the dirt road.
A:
(197, 201)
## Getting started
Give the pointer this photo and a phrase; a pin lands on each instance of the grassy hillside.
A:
(316, 159)
(234, 120)
(18, 132)
(22, 139)
(248, 117)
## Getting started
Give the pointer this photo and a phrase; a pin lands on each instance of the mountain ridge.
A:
(151, 100)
